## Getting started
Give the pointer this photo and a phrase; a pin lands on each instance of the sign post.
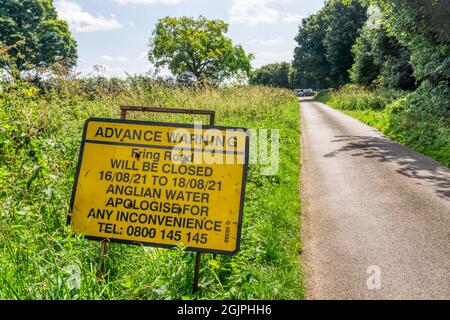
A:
(101, 270)
(198, 258)
(161, 184)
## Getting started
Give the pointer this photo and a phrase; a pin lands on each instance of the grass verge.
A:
(40, 258)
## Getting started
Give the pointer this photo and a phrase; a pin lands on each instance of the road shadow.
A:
(411, 163)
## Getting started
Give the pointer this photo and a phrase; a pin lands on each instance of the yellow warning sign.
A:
(161, 184)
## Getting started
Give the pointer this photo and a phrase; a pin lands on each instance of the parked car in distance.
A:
(304, 92)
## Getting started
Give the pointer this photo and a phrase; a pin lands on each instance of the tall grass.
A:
(40, 257)
(352, 97)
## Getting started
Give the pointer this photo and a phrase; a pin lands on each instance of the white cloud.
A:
(82, 21)
(263, 58)
(292, 17)
(149, 1)
(143, 55)
(269, 42)
(254, 12)
(119, 59)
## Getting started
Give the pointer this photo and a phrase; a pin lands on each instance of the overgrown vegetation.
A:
(274, 75)
(40, 258)
(402, 45)
(418, 119)
(380, 59)
(33, 37)
(325, 39)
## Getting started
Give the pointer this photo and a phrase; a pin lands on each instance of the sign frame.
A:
(172, 125)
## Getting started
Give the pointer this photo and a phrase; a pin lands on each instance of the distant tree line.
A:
(400, 44)
(274, 75)
(34, 43)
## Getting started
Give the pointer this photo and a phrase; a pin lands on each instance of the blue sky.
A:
(115, 33)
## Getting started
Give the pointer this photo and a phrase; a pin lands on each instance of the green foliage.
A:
(39, 143)
(352, 97)
(344, 21)
(406, 46)
(31, 37)
(323, 95)
(422, 121)
(197, 48)
(419, 119)
(275, 75)
(323, 55)
(310, 66)
(380, 59)
(402, 41)
(421, 26)
(364, 70)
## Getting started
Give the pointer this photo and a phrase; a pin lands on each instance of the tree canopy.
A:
(197, 49)
(310, 66)
(392, 43)
(422, 26)
(31, 36)
(379, 58)
(323, 55)
(344, 20)
(274, 75)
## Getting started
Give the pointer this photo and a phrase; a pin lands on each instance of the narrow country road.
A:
(370, 205)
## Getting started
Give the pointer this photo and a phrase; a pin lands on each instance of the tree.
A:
(310, 65)
(344, 21)
(33, 36)
(197, 49)
(274, 74)
(364, 70)
(323, 56)
(422, 26)
(380, 57)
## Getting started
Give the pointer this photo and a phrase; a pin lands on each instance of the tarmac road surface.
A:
(376, 214)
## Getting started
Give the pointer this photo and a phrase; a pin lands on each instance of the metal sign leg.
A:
(198, 258)
(101, 271)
